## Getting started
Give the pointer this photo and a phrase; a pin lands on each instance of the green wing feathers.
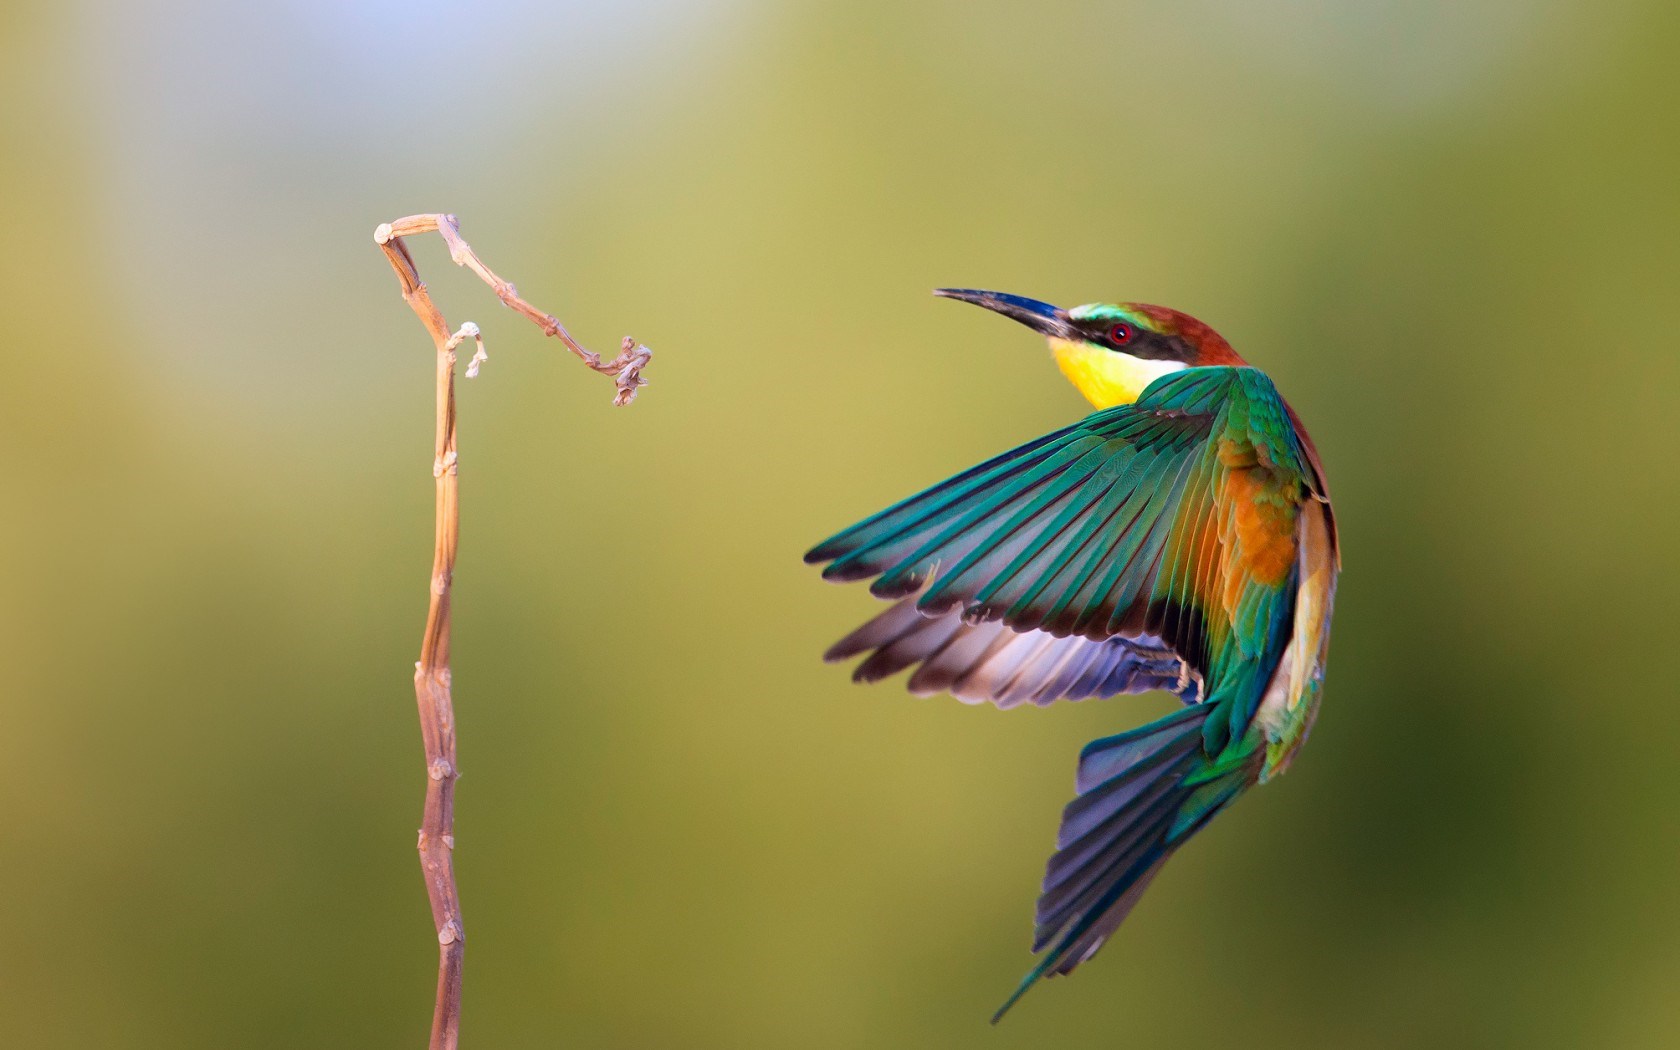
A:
(1122, 525)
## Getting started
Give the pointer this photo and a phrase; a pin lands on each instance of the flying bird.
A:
(1179, 538)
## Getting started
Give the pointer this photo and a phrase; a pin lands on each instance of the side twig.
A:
(431, 673)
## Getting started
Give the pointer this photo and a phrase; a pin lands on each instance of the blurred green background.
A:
(1449, 231)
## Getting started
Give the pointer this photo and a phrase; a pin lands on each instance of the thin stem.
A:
(431, 673)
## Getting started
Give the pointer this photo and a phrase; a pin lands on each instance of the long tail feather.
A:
(1141, 795)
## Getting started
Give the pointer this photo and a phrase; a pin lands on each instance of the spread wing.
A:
(1160, 531)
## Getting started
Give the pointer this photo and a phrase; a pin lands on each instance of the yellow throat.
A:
(1107, 377)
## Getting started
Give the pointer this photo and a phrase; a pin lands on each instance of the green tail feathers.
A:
(1142, 794)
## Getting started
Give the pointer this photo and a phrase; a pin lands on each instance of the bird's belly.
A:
(1290, 704)
(1286, 716)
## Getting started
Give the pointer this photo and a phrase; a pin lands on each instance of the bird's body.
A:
(1180, 538)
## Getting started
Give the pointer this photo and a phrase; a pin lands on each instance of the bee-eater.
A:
(1179, 538)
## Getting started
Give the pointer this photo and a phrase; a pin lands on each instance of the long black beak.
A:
(1040, 317)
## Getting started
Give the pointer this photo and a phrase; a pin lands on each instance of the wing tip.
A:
(895, 585)
(847, 571)
(835, 546)
(839, 652)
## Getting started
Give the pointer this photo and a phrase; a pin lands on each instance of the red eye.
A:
(1120, 334)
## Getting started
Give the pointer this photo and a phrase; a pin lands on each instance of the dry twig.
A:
(431, 673)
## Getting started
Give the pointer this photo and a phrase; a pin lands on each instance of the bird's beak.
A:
(1043, 318)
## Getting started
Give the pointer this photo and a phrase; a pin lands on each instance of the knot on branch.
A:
(626, 370)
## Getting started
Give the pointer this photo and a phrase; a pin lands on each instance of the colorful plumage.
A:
(1180, 538)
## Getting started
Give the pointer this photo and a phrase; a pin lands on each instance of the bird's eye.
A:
(1120, 334)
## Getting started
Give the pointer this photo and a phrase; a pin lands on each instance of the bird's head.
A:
(1111, 351)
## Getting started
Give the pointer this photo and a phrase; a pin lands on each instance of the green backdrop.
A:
(1448, 231)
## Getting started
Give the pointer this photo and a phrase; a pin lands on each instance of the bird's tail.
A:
(1141, 795)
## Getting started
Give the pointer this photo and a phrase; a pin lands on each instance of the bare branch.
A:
(431, 673)
(625, 369)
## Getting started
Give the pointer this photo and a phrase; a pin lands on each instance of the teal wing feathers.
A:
(1117, 527)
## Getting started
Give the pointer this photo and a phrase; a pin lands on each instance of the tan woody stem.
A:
(431, 673)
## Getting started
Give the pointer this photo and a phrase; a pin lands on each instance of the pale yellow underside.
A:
(1107, 377)
(1290, 705)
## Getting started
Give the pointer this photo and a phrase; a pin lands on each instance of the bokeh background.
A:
(1449, 231)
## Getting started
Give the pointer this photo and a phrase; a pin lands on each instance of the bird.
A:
(1179, 538)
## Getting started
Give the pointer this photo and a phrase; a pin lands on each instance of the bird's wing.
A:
(980, 662)
(1168, 523)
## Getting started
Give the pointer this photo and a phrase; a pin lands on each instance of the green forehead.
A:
(1113, 313)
